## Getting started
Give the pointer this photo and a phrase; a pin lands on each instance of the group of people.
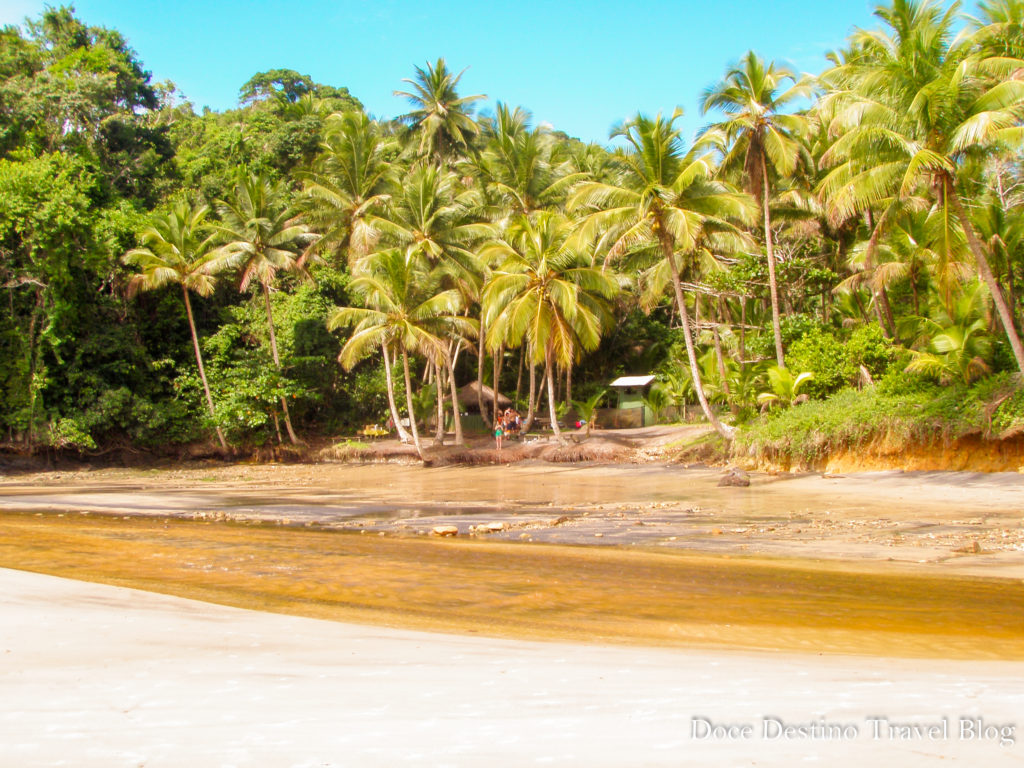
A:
(508, 424)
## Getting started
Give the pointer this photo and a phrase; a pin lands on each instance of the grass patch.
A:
(710, 448)
(899, 411)
(346, 450)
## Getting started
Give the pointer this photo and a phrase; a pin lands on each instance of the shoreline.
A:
(683, 445)
(955, 523)
(601, 551)
(551, 592)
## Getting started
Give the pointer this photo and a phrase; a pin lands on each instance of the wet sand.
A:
(962, 523)
(96, 676)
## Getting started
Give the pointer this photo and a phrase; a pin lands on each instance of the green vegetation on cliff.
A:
(835, 260)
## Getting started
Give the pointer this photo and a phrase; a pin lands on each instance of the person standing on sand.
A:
(499, 431)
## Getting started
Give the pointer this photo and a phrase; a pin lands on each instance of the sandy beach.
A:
(101, 676)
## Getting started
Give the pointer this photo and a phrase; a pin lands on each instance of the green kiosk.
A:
(631, 411)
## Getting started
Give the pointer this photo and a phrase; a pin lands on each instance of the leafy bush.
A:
(820, 353)
(1009, 413)
(868, 346)
(69, 433)
(902, 409)
(794, 327)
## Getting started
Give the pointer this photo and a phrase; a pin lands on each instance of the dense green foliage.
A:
(816, 277)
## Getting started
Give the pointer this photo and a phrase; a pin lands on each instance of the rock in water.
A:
(736, 478)
(445, 530)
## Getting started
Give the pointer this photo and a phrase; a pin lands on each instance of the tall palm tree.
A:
(545, 294)
(431, 221)
(767, 140)
(405, 311)
(1000, 225)
(349, 182)
(428, 218)
(664, 199)
(524, 166)
(175, 252)
(261, 238)
(442, 119)
(919, 111)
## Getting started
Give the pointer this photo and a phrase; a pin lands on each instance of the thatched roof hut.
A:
(468, 399)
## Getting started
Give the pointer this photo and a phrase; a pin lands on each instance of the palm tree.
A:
(1000, 27)
(524, 166)
(916, 245)
(348, 183)
(1000, 225)
(663, 199)
(431, 222)
(955, 339)
(405, 311)
(428, 219)
(785, 386)
(919, 111)
(175, 252)
(261, 238)
(587, 409)
(440, 116)
(766, 139)
(545, 294)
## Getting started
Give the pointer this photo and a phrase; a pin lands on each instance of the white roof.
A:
(632, 381)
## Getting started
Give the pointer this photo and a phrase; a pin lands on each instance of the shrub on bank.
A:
(901, 410)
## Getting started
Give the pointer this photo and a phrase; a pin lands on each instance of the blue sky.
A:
(580, 66)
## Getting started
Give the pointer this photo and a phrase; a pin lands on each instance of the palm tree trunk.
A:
(1011, 291)
(722, 429)
(531, 406)
(277, 362)
(887, 308)
(721, 368)
(519, 375)
(743, 329)
(480, 359)
(986, 274)
(408, 404)
(439, 381)
(568, 385)
(913, 288)
(202, 371)
(551, 393)
(33, 366)
(863, 310)
(869, 267)
(396, 417)
(496, 374)
(772, 283)
(277, 426)
(456, 415)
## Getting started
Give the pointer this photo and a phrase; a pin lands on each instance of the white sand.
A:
(92, 675)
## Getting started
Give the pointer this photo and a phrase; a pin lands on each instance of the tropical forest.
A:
(834, 261)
